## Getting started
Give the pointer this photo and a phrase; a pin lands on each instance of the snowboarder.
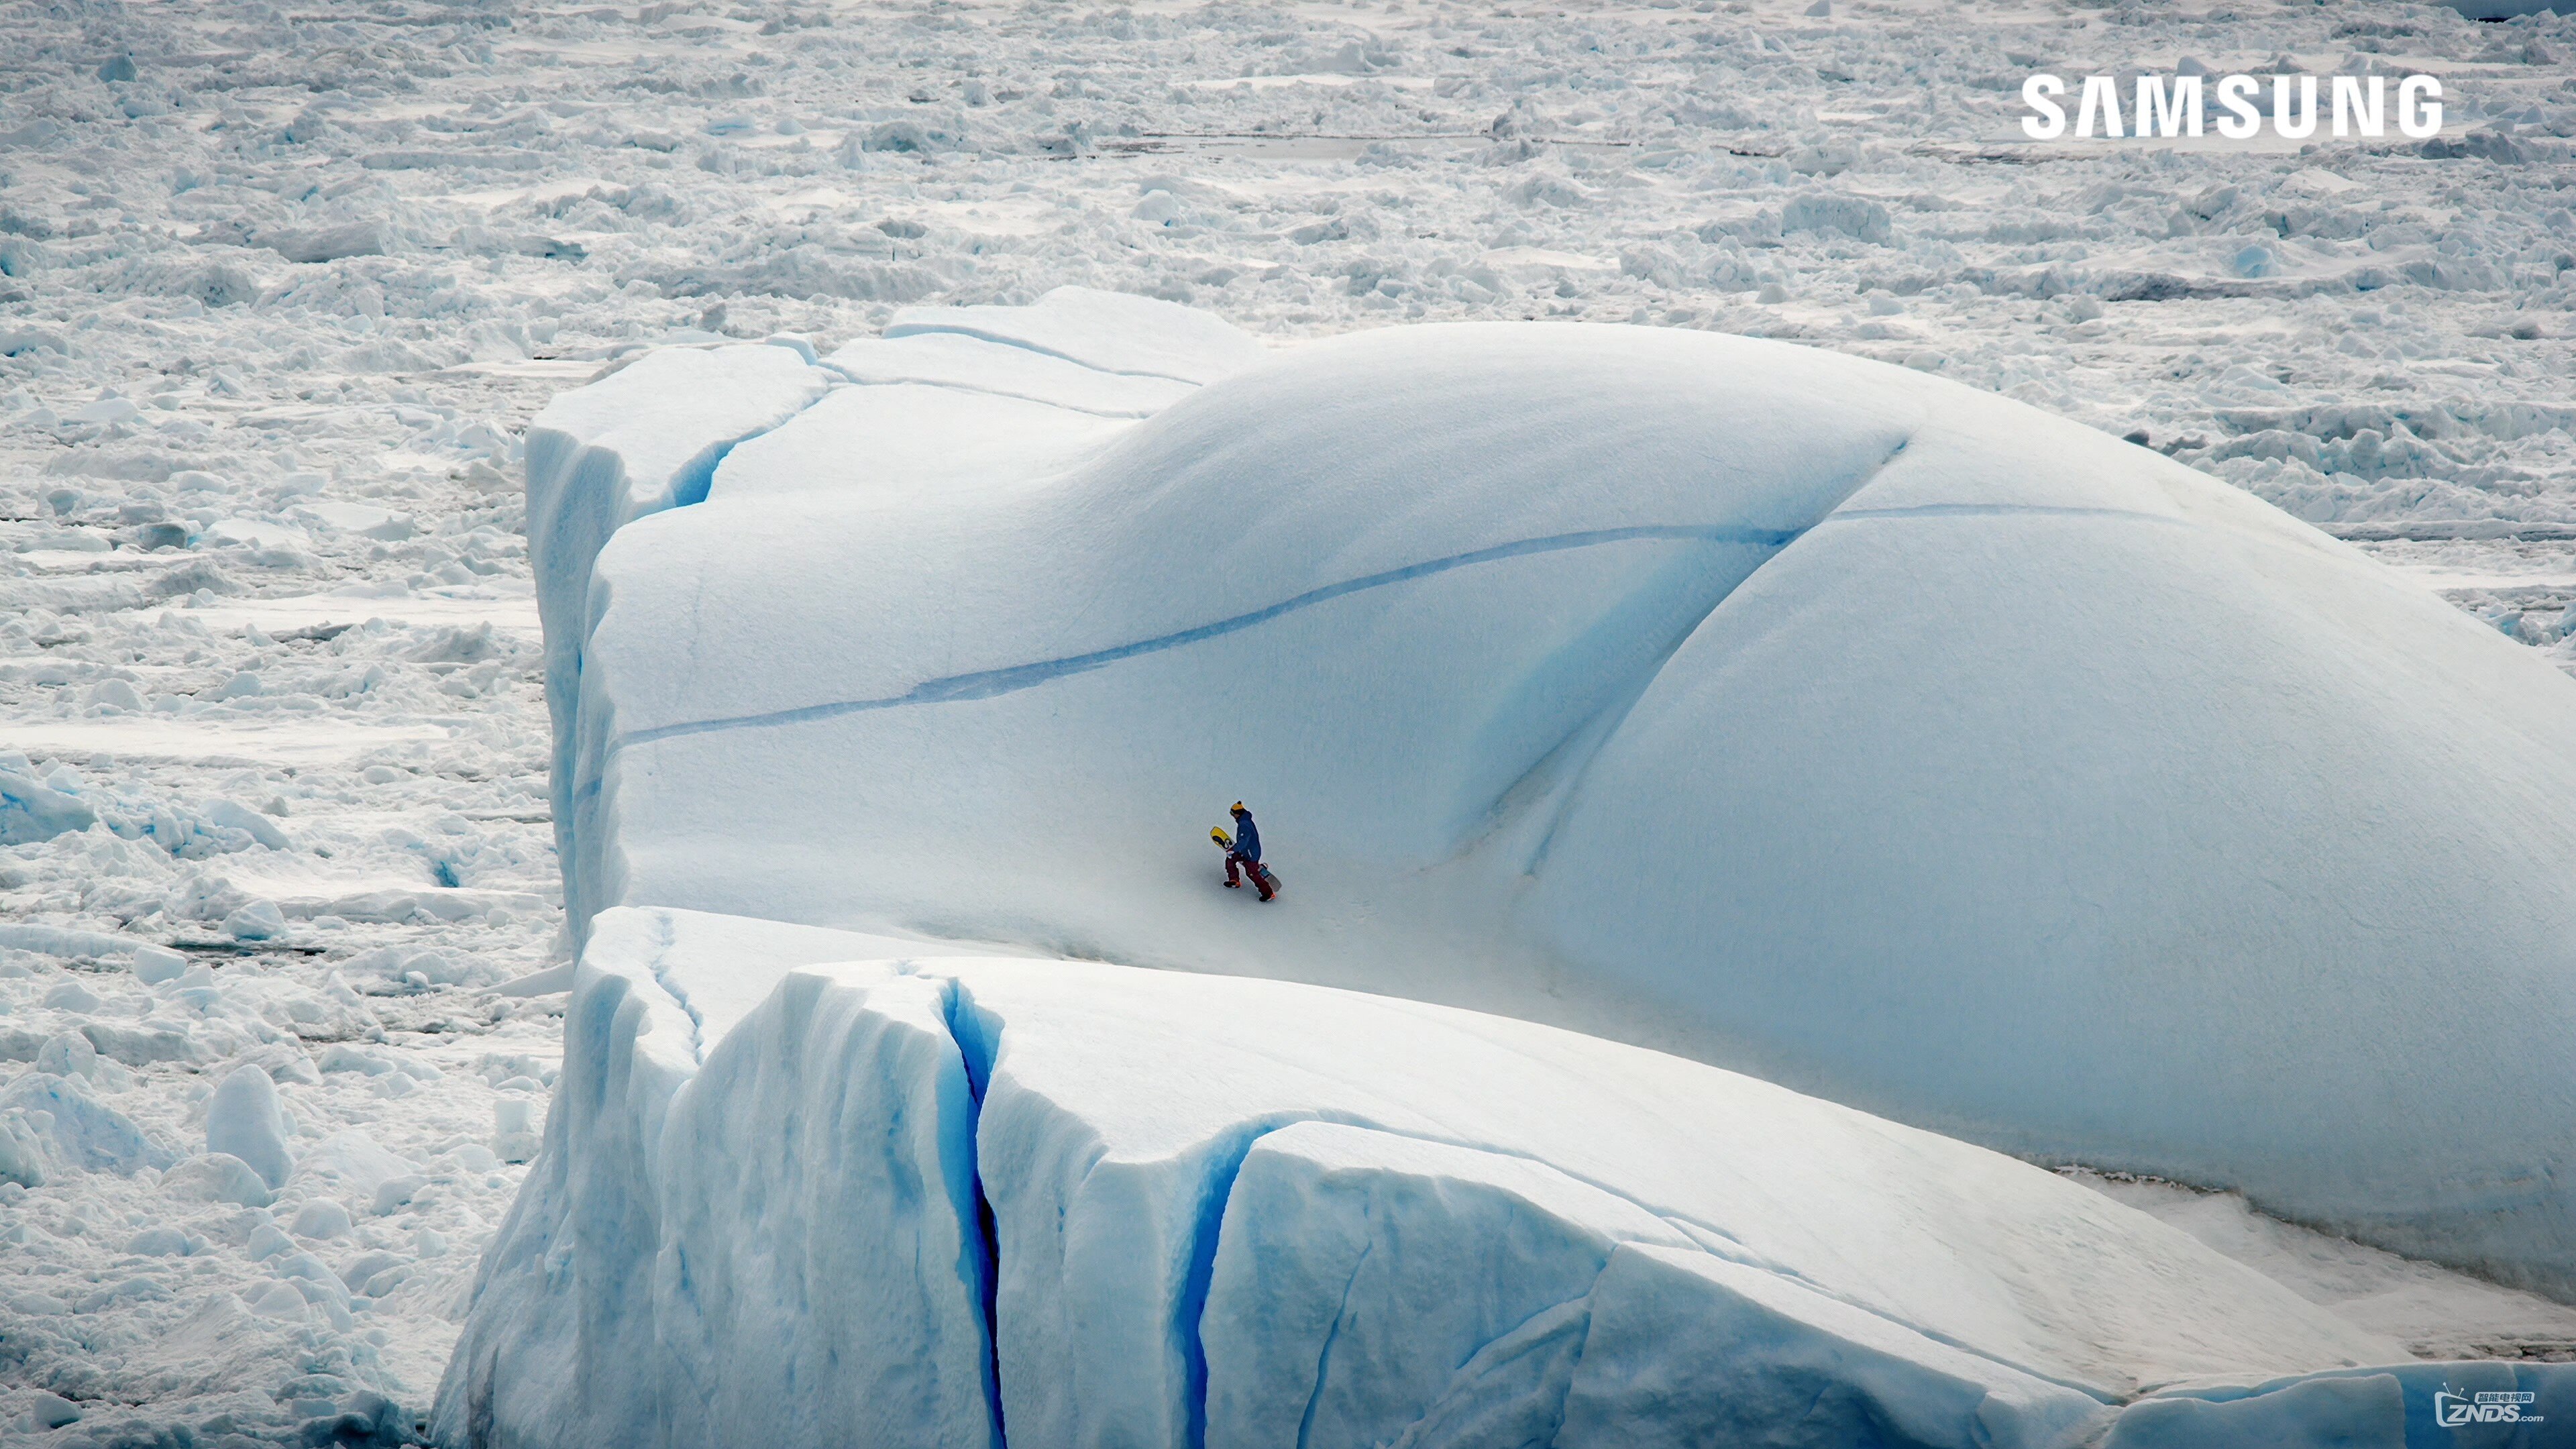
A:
(1243, 854)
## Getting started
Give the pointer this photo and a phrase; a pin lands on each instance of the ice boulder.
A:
(352, 1166)
(56, 1125)
(1884, 738)
(217, 1177)
(31, 812)
(956, 1199)
(244, 1120)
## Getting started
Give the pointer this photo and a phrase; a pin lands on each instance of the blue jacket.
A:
(1247, 837)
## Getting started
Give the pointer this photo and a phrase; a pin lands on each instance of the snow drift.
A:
(1887, 739)
(802, 1187)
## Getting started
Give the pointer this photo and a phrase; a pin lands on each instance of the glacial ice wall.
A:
(797, 1190)
(645, 438)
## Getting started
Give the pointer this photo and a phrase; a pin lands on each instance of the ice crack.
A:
(987, 683)
(665, 935)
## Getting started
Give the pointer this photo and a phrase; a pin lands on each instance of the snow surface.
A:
(211, 455)
(1253, 1212)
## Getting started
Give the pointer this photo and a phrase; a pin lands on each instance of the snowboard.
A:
(1263, 877)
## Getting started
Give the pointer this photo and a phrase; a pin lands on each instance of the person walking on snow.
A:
(1243, 857)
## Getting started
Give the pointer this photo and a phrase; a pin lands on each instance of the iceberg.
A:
(1893, 741)
(1734, 796)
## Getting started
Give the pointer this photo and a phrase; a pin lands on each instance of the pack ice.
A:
(1881, 738)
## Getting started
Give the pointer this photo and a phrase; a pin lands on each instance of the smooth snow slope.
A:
(883, 1201)
(1893, 740)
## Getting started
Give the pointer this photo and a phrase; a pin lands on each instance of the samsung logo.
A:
(2175, 106)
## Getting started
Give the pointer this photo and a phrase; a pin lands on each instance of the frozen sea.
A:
(279, 291)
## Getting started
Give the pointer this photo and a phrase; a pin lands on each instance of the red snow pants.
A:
(1237, 865)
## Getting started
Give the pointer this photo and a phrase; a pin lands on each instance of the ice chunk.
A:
(139, 1045)
(49, 1410)
(351, 1164)
(252, 533)
(514, 1137)
(107, 410)
(1853, 216)
(802, 346)
(1195, 1186)
(160, 1243)
(365, 519)
(279, 1300)
(23, 1150)
(68, 1054)
(321, 1218)
(61, 1119)
(72, 943)
(154, 965)
(329, 243)
(234, 815)
(30, 812)
(1104, 1183)
(70, 996)
(217, 1177)
(394, 1193)
(243, 1119)
(342, 1057)
(1565, 560)
(256, 921)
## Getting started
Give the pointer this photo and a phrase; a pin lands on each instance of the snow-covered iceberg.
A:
(1889, 740)
(802, 1187)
